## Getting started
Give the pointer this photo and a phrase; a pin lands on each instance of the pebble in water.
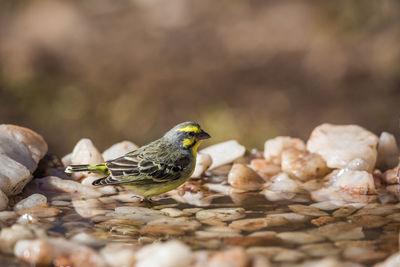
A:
(341, 231)
(13, 176)
(30, 202)
(234, 257)
(222, 214)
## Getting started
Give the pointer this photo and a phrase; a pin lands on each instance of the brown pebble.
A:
(323, 220)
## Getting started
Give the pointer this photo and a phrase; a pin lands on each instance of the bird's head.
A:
(187, 134)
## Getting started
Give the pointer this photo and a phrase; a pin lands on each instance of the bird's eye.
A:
(191, 134)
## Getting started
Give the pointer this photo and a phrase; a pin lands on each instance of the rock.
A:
(66, 160)
(203, 162)
(277, 253)
(119, 255)
(8, 215)
(368, 221)
(88, 207)
(217, 232)
(10, 236)
(88, 240)
(299, 238)
(258, 223)
(392, 176)
(325, 205)
(41, 211)
(3, 201)
(244, 178)
(340, 144)
(85, 152)
(222, 214)
(53, 183)
(118, 150)
(234, 257)
(224, 153)
(281, 187)
(274, 148)
(22, 145)
(320, 250)
(265, 168)
(172, 212)
(303, 165)
(388, 152)
(392, 261)
(344, 212)
(13, 176)
(34, 252)
(30, 202)
(170, 254)
(27, 219)
(193, 193)
(355, 182)
(294, 218)
(307, 210)
(57, 250)
(341, 231)
(161, 230)
(363, 254)
(323, 220)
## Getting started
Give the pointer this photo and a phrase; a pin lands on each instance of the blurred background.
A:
(131, 69)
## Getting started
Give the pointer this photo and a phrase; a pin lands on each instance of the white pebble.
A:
(169, 254)
(340, 144)
(203, 162)
(85, 153)
(273, 148)
(224, 153)
(119, 149)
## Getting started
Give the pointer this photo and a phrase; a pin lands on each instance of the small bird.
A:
(156, 168)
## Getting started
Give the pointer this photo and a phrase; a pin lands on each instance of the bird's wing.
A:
(146, 166)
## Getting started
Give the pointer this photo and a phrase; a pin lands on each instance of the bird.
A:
(155, 168)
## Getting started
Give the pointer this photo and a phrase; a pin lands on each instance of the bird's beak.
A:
(203, 135)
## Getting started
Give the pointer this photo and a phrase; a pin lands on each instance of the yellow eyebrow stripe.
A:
(190, 128)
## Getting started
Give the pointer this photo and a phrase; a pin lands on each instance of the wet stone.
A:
(223, 214)
(344, 212)
(265, 239)
(323, 220)
(368, 221)
(273, 148)
(307, 210)
(363, 254)
(320, 250)
(30, 202)
(172, 212)
(341, 231)
(258, 223)
(265, 168)
(300, 237)
(294, 218)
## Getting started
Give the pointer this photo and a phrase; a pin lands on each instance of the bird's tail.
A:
(95, 168)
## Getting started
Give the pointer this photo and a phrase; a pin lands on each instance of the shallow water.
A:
(377, 239)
